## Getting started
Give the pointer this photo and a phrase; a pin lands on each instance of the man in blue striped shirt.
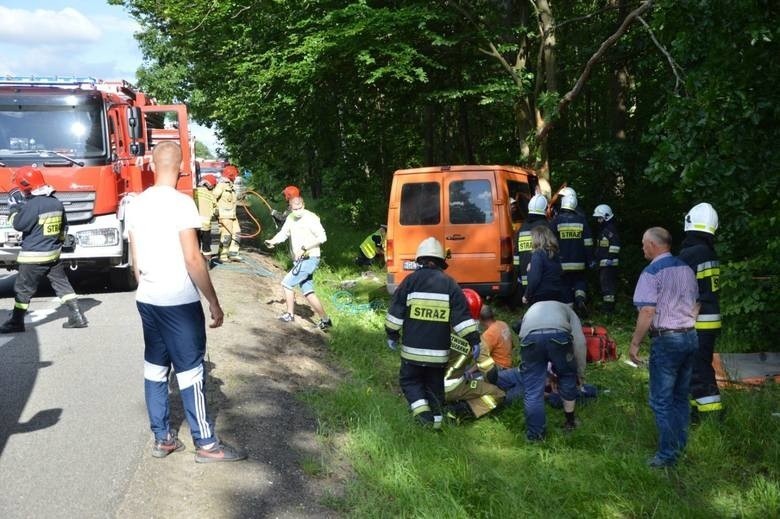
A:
(666, 296)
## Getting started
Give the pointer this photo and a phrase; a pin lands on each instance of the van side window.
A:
(471, 201)
(521, 193)
(420, 203)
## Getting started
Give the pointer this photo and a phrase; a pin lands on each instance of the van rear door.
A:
(471, 226)
(419, 216)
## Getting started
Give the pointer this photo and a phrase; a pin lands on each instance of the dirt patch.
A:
(256, 366)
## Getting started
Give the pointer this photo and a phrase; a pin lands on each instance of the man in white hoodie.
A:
(306, 235)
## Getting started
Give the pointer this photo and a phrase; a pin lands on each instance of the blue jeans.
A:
(536, 351)
(671, 363)
(511, 382)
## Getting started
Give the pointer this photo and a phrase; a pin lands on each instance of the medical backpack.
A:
(601, 347)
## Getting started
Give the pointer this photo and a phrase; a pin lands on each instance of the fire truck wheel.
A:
(123, 279)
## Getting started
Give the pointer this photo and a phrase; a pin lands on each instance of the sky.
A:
(72, 38)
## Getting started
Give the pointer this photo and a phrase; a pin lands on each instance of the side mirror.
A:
(134, 116)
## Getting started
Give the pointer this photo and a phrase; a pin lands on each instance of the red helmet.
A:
(474, 302)
(291, 192)
(209, 180)
(28, 178)
(230, 172)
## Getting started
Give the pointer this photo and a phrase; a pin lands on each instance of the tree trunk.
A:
(465, 132)
(619, 81)
(430, 135)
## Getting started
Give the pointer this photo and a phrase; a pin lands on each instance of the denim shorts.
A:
(302, 274)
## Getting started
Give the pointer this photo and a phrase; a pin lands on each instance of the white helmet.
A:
(702, 217)
(603, 211)
(537, 205)
(568, 198)
(430, 248)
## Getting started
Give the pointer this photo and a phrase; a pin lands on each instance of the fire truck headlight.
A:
(98, 238)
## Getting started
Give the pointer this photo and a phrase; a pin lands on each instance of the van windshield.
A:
(420, 203)
(471, 201)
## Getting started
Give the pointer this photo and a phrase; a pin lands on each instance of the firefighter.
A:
(229, 230)
(372, 246)
(576, 244)
(430, 307)
(471, 388)
(289, 193)
(606, 255)
(40, 217)
(698, 251)
(537, 211)
(207, 206)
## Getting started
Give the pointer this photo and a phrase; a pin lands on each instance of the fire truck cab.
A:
(92, 140)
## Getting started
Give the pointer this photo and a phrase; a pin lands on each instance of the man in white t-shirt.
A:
(162, 225)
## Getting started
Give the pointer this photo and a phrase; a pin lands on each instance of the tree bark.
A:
(619, 81)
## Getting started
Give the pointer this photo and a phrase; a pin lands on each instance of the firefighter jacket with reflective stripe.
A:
(225, 195)
(607, 245)
(698, 251)
(372, 243)
(429, 306)
(41, 220)
(574, 240)
(524, 246)
(207, 206)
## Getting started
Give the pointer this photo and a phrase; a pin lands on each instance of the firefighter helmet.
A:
(28, 178)
(430, 248)
(702, 217)
(209, 181)
(603, 211)
(538, 205)
(474, 302)
(230, 172)
(568, 198)
(291, 192)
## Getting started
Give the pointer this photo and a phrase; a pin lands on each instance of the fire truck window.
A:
(420, 203)
(75, 131)
(521, 193)
(471, 201)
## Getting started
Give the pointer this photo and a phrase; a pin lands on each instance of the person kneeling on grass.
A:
(306, 234)
(429, 307)
(471, 389)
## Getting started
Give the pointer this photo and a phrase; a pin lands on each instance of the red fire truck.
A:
(92, 139)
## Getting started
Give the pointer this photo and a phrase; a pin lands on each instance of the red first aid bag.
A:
(601, 347)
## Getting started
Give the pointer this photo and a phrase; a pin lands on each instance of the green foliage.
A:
(202, 151)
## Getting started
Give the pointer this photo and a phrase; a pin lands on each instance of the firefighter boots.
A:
(76, 318)
(15, 323)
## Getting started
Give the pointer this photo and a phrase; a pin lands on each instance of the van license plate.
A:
(411, 265)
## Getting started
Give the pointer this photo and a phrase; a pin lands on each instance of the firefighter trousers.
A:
(228, 237)
(575, 286)
(31, 274)
(481, 396)
(705, 395)
(608, 282)
(423, 387)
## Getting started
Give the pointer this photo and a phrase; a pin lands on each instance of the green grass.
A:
(486, 469)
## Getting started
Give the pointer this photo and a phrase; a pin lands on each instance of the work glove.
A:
(392, 344)
(475, 352)
(16, 198)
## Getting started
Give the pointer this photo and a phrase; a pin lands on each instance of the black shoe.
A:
(571, 426)
(325, 324)
(76, 318)
(657, 463)
(15, 324)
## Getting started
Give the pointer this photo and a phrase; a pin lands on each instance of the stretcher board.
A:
(741, 369)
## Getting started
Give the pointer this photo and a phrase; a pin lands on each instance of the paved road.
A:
(72, 416)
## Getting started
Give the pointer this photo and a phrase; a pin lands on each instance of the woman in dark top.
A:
(544, 269)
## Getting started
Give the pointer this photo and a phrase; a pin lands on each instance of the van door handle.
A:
(455, 237)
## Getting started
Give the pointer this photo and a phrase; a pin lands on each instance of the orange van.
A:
(472, 210)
